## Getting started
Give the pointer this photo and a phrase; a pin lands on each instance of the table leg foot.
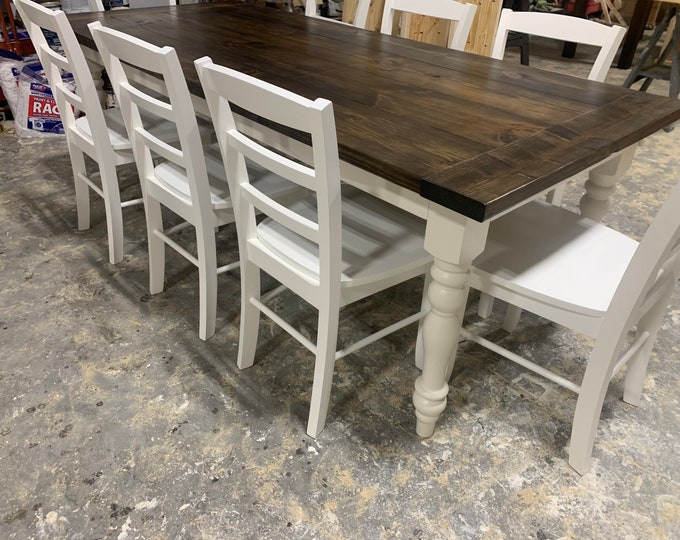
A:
(429, 405)
(447, 294)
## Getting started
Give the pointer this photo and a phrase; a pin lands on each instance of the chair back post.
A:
(502, 31)
(563, 28)
(655, 264)
(457, 12)
(84, 96)
(310, 8)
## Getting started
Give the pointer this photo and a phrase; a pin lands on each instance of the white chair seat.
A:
(369, 253)
(166, 131)
(114, 121)
(579, 274)
(174, 178)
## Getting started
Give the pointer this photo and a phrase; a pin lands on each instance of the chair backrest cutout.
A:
(563, 28)
(461, 15)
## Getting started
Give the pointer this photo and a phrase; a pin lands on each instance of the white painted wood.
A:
(458, 12)
(331, 247)
(563, 28)
(360, 16)
(601, 184)
(99, 135)
(454, 241)
(177, 173)
(592, 279)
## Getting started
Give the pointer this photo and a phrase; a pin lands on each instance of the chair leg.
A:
(114, 211)
(637, 365)
(512, 316)
(154, 222)
(82, 189)
(323, 368)
(485, 305)
(604, 5)
(589, 405)
(207, 273)
(250, 315)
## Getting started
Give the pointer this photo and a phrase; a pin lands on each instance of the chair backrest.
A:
(563, 28)
(462, 14)
(651, 275)
(225, 88)
(69, 59)
(360, 15)
(142, 108)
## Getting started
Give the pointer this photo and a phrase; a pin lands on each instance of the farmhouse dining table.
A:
(455, 138)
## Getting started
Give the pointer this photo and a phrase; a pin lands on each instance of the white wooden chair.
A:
(563, 28)
(99, 134)
(457, 12)
(334, 247)
(590, 279)
(360, 16)
(182, 178)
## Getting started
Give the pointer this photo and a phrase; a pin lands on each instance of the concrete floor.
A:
(116, 421)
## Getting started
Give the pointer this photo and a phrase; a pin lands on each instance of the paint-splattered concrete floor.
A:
(116, 421)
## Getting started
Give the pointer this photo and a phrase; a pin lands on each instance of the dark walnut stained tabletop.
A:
(471, 133)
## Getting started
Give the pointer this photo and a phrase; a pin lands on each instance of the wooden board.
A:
(374, 13)
(483, 31)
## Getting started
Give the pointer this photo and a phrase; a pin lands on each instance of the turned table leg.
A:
(601, 183)
(454, 241)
